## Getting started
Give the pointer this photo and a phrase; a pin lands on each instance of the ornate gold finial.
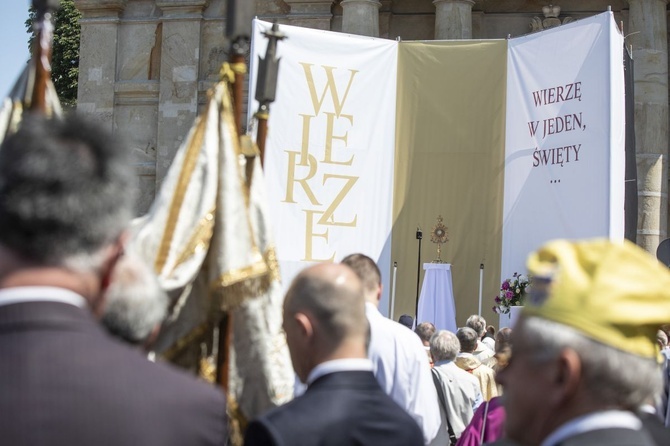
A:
(439, 235)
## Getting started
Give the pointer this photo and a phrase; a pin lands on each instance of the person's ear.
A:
(380, 289)
(305, 326)
(113, 254)
(151, 339)
(568, 373)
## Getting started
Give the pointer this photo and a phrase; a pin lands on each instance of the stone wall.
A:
(146, 65)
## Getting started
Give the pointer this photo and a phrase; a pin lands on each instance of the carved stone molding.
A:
(181, 7)
(551, 19)
(309, 6)
(100, 8)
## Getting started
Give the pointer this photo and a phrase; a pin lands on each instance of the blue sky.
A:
(13, 14)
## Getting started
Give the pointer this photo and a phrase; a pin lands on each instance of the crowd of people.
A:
(585, 364)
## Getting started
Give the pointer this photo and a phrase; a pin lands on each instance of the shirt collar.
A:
(591, 422)
(339, 365)
(439, 363)
(369, 306)
(25, 294)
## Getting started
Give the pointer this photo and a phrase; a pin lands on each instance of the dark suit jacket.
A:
(338, 409)
(601, 437)
(659, 433)
(610, 437)
(64, 381)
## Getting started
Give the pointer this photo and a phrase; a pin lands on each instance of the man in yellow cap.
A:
(585, 355)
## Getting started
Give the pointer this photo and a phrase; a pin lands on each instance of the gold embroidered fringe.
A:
(234, 287)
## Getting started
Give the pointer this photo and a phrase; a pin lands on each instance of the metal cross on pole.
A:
(266, 85)
(239, 16)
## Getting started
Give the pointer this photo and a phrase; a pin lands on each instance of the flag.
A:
(330, 150)
(18, 101)
(207, 237)
(33, 90)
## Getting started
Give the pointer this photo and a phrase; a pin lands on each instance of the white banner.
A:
(564, 157)
(330, 147)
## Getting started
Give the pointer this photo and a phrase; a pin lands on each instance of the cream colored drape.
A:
(450, 135)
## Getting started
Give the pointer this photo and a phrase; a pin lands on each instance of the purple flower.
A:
(497, 300)
(509, 295)
(496, 310)
(505, 285)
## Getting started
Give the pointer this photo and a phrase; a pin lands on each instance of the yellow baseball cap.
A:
(613, 292)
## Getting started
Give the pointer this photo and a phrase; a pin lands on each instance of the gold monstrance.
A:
(439, 235)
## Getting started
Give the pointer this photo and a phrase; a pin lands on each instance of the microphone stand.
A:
(419, 236)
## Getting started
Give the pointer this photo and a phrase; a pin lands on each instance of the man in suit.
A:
(326, 331)
(584, 350)
(399, 360)
(66, 195)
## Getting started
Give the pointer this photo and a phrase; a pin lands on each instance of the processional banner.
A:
(564, 156)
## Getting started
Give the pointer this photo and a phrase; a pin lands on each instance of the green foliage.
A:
(65, 51)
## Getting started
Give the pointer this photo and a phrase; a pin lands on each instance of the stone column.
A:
(178, 92)
(97, 58)
(648, 34)
(453, 19)
(361, 17)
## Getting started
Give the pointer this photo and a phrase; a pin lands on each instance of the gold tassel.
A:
(237, 423)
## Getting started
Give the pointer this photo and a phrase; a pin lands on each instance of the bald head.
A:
(325, 302)
(368, 272)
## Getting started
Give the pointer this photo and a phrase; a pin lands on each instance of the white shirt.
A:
(490, 343)
(339, 365)
(401, 367)
(15, 295)
(483, 352)
(591, 422)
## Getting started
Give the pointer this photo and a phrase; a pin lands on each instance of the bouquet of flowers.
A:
(512, 293)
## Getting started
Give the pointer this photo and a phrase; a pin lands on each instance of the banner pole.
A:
(481, 284)
(266, 86)
(239, 15)
(395, 274)
(41, 57)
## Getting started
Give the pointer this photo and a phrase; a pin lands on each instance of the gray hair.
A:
(468, 339)
(662, 338)
(136, 304)
(613, 377)
(444, 346)
(66, 190)
(503, 339)
(477, 323)
(425, 331)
